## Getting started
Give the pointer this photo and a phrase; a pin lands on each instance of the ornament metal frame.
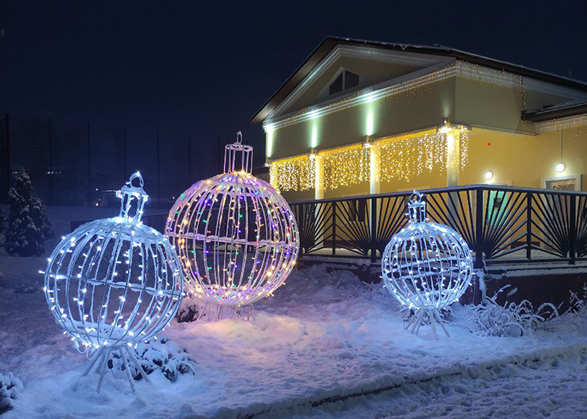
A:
(113, 283)
(236, 237)
(426, 267)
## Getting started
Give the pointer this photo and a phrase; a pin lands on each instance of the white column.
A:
(453, 138)
(374, 162)
(319, 181)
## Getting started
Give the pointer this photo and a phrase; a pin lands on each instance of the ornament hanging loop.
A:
(416, 208)
(133, 198)
(238, 157)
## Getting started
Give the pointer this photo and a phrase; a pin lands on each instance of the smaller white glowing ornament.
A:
(236, 236)
(426, 266)
(489, 175)
(560, 167)
(114, 283)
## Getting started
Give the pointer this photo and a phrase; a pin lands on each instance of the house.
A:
(430, 117)
(499, 149)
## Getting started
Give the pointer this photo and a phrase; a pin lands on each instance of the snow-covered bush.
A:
(27, 222)
(189, 311)
(578, 304)
(159, 355)
(10, 389)
(511, 319)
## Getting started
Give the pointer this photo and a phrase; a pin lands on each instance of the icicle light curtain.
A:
(402, 159)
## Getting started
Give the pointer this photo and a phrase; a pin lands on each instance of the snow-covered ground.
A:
(326, 345)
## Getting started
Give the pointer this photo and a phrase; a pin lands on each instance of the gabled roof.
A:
(330, 42)
(561, 110)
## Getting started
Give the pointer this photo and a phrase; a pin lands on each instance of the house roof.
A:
(561, 110)
(330, 42)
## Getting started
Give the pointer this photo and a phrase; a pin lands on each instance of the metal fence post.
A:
(89, 167)
(190, 158)
(529, 226)
(50, 171)
(124, 168)
(373, 230)
(5, 160)
(333, 228)
(479, 229)
(573, 229)
(158, 170)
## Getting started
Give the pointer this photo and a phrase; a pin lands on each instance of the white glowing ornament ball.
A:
(236, 236)
(560, 167)
(426, 266)
(114, 282)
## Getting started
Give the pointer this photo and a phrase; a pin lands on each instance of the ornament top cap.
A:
(233, 161)
(133, 198)
(417, 207)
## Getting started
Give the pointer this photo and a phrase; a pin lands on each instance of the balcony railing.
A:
(500, 224)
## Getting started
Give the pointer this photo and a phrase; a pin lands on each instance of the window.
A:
(345, 80)
(350, 80)
(336, 85)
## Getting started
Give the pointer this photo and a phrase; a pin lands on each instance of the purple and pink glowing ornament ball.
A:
(236, 236)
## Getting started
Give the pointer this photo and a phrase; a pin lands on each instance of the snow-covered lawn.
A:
(323, 341)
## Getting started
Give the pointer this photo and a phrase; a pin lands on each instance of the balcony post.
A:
(573, 229)
(479, 229)
(529, 226)
(373, 229)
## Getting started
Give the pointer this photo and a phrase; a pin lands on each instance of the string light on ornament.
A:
(426, 266)
(236, 236)
(114, 283)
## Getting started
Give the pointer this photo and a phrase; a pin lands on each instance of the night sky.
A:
(206, 67)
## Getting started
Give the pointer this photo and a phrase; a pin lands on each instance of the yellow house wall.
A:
(488, 105)
(409, 111)
(524, 160)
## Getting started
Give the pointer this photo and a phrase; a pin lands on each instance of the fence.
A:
(500, 224)
(72, 163)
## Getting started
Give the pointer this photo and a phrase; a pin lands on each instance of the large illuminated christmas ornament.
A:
(236, 236)
(113, 283)
(426, 266)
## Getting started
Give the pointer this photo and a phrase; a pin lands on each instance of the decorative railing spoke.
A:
(500, 224)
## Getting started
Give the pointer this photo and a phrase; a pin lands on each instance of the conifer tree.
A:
(24, 236)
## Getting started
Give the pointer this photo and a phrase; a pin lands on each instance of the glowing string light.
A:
(114, 283)
(236, 236)
(426, 266)
(399, 158)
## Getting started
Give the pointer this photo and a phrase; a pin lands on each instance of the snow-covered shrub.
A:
(159, 355)
(511, 319)
(27, 221)
(578, 304)
(10, 389)
(189, 311)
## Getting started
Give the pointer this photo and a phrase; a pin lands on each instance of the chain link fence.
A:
(79, 164)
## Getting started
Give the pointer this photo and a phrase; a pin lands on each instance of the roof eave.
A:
(330, 42)
(556, 113)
